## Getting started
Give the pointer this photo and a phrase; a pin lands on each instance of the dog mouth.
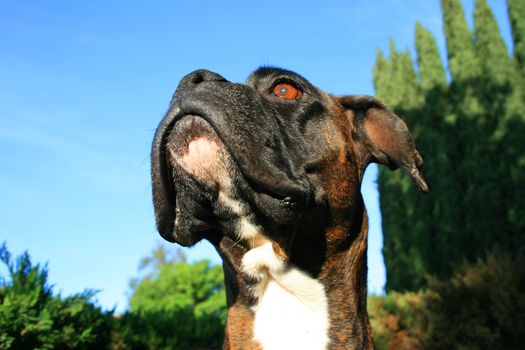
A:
(210, 185)
(195, 147)
(193, 140)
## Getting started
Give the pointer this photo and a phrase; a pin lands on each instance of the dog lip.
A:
(189, 128)
(299, 191)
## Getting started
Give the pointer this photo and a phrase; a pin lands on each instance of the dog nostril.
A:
(196, 79)
(202, 75)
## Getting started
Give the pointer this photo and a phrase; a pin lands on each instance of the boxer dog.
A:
(269, 172)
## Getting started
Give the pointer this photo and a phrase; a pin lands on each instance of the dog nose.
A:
(199, 76)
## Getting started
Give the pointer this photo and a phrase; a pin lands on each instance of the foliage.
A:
(397, 320)
(470, 131)
(516, 14)
(31, 317)
(175, 306)
(480, 307)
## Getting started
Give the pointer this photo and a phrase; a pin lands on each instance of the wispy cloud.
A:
(113, 170)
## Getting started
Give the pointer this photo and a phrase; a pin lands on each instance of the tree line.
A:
(173, 305)
(455, 257)
(469, 124)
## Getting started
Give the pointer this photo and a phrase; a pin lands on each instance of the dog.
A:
(269, 172)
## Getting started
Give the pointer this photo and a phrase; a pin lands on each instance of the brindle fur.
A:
(298, 166)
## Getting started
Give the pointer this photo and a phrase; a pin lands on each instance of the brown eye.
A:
(286, 91)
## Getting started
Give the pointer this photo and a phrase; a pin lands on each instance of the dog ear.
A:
(382, 137)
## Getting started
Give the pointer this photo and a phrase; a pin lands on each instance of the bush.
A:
(176, 305)
(397, 320)
(31, 317)
(163, 330)
(480, 307)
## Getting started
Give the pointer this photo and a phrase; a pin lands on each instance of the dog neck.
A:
(315, 299)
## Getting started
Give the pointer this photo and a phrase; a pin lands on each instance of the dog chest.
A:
(292, 313)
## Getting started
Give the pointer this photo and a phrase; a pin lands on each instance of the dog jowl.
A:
(269, 172)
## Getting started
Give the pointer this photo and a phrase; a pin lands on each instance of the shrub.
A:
(176, 305)
(397, 320)
(480, 307)
(31, 317)
(163, 330)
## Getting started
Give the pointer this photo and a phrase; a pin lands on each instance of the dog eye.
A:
(286, 91)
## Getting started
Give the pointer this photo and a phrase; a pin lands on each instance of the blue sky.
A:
(83, 85)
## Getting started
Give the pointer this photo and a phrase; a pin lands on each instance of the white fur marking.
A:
(292, 312)
(229, 201)
(247, 230)
(260, 261)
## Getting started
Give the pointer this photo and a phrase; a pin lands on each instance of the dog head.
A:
(230, 159)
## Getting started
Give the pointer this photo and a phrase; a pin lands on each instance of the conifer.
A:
(460, 47)
(470, 132)
(516, 9)
(490, 47)
(431, 70)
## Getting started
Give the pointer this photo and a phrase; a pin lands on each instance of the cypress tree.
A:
(480, 110)
(395, 79)
(516, 9)
(396, 82)
(434, 226)
(460, 48)
(470, 132)
(502, 91)
(511, 133)
(409, 109)
(381, 74)
(393, 87)
(465, 113)
(411, 88)
(431, 70)
(491, 49)
(383, 82)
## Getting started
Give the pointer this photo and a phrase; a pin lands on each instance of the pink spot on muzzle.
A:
(201, 152)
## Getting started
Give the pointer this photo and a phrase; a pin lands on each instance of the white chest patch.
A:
(292, 312)
(283, 320)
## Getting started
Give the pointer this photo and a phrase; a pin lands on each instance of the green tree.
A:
(31, 317)
(433, 224)
(516, 14)
(492, 52)
(470, 132)
(462, 59)
(175, 305)
(397, 83)
(431, 70)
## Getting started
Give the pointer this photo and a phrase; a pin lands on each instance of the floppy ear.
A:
(382, 137)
